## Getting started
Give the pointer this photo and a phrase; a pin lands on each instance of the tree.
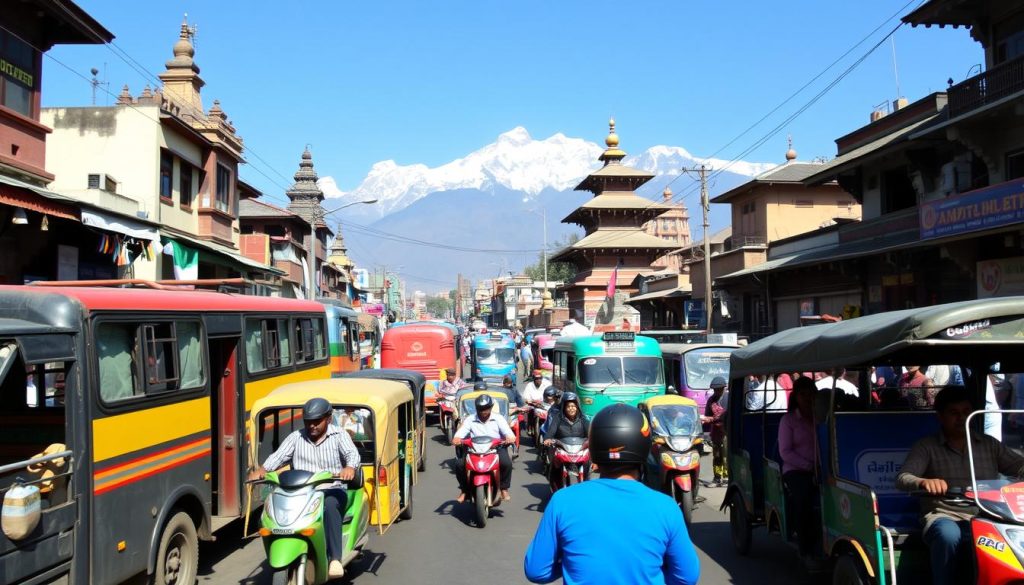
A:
(557, 271)
(439, 307)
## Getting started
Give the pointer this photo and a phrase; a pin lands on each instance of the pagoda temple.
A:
(615, 237)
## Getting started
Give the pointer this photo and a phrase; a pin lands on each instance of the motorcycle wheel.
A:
(481, 498)
(685, 500)
(290, 574)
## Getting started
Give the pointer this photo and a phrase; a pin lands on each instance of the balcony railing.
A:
(987, 87)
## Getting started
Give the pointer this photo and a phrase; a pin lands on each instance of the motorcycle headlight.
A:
(314, 506)
(680, 443)
(1015, 536)
(678, 459)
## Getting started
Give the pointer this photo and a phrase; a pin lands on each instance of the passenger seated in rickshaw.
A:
(796, 447)
(764, 393)
(939, 462)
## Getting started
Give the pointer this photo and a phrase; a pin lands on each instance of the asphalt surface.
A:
(442, 545)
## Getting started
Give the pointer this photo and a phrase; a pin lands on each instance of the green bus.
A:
(616, 366)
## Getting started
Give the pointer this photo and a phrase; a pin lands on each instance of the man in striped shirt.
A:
(321, 446)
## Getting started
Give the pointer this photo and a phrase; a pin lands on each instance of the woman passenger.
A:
(796, 446)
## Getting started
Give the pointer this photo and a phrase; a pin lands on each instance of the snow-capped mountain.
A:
(516, 162)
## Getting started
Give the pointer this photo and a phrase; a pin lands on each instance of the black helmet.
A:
(316, 409)
(719, 382)
(550, 392)
(506, 380)
(570, 397)
(619, 434)
(483, 402)
(481, 385)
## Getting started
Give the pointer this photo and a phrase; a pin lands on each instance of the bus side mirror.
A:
(671, 390)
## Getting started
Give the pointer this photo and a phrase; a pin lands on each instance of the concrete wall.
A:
(781, 211)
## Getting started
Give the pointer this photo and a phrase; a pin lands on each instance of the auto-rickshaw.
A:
(380, 416)
(867, 530)
(416, 382)
(673, 465)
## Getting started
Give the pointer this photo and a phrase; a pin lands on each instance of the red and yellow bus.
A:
(427, 348)
(122, 411)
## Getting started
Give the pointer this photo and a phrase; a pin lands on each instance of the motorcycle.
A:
(292, 525)
(569, 462)
(515, 420)
(483, 475)
(446, 410)
(674, 462)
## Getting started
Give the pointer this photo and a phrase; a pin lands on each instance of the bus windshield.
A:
(605, 370)
(703, 365)
(495, 355)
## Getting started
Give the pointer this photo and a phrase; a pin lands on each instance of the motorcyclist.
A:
(509, 388)
(533, 391)
(650, 544)
(320, 446)
(569, 422)
(482, 424)
(551, 399)
(451, 385)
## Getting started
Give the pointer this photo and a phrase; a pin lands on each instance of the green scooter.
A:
(293, 525)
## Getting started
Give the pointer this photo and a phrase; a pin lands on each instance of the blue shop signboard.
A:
(991, 207)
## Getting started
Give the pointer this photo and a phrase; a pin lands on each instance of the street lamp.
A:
(319, 214)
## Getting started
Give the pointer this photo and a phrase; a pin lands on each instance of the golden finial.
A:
(790, 154)
(667, 194)
(613, 139)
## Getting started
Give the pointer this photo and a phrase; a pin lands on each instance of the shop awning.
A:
(119, 224)
(223, 253)
(679, 291)
(28, 196)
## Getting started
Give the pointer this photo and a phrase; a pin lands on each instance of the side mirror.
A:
(671, 390)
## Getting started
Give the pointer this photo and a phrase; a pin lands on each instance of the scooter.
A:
(569, 462)
(446, 411)
(483, 475)
(679, 472)
(515, 420)
(293, 525)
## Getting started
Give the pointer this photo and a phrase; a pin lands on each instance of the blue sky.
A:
(427, 82)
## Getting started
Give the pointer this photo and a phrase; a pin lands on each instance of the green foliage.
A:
(557, 271)
(439, 307)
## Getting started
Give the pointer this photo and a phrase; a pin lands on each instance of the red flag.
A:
(611, 282)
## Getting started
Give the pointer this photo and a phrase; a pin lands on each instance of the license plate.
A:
(282, 531)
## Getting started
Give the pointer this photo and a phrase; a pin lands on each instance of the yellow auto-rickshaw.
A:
(380, 416)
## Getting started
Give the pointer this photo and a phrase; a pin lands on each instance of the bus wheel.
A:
(739, 525)
(177, 561)
(849, 570)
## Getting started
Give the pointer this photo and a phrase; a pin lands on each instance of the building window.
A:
(1015, 165)
(166, 174)
(223, 189)
(17, 74)
(897, 190)
(185, 183)
(94, 181)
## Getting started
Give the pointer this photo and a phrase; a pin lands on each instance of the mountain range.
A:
(481, 215)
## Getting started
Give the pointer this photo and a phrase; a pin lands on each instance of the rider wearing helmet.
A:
(569, 421)
(482, 424)
(648, 545)
(320, 446)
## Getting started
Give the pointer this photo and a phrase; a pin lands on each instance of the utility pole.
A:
(705, 204)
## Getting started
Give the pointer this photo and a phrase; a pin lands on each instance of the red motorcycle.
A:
(515, 420)
(446, 410)
(569, 462)
(483, 475)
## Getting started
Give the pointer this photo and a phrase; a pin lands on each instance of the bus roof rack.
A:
(220, 284)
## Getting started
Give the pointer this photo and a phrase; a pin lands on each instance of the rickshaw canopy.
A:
(667, 402)
(379, 396)
(936, 334)
(466, 406)
(414, 381)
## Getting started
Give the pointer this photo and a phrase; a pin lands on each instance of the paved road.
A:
(440, 544)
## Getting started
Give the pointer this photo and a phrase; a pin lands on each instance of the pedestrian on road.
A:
(642, 539)
(714, 416)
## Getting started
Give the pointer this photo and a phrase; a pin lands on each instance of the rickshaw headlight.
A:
(680, 443)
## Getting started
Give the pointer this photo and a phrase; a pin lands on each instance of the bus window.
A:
(596, 371)
(115, 344)
(309, 335)
(266, 344)
(643, 370)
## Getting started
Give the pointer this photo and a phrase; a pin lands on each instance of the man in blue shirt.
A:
(614, 529)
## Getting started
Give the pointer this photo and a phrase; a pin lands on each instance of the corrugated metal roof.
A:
(256, 208)
(790, 172)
